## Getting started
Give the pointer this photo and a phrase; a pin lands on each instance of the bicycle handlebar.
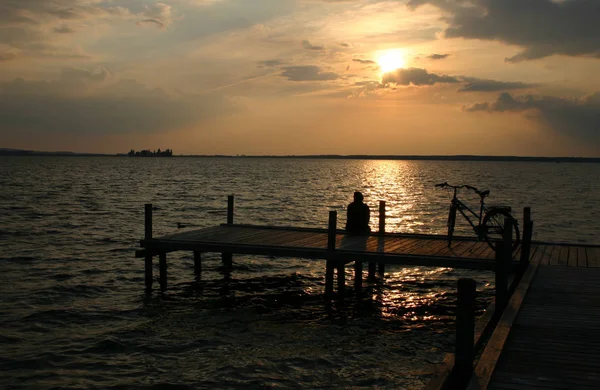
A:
(480, 193)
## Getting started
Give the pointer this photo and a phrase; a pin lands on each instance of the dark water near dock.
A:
(73, 312)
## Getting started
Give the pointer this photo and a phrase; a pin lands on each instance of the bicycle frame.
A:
(468, 213)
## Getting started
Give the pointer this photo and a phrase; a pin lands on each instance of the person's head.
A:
(358, 196)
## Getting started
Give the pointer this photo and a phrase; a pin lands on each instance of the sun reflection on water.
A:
(398, 183)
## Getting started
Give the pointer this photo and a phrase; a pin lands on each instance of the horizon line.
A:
(24, 152)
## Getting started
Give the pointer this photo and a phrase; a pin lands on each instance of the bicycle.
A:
(489, 227)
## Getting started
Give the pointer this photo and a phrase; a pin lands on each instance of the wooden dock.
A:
(539, 332)
(547, 337)
(333, 245)
(312, 243)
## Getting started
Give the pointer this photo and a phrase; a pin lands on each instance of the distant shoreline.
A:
(23, 153)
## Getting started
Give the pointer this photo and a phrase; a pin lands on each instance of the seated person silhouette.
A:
(358, 215)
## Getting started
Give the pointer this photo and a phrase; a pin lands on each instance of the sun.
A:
(391, 60)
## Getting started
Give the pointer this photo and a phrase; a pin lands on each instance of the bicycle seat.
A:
(485, 193)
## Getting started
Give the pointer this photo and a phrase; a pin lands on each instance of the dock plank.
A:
(537, 252)
(395, 244)
(480, 248)
(423, 248)
(488, 253)
(553, 259)
(563, 257)
(309, 239)
(581, 257)
(401, 245)
(593, 257)
(573, 253)
(545, 259)
(553, 343)
(408, 245)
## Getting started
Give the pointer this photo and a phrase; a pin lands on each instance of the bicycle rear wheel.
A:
(493, 225)
(451, 223)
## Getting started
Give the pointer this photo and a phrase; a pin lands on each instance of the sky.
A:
(298, 77)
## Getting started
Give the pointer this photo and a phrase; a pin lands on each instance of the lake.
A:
(74, 313)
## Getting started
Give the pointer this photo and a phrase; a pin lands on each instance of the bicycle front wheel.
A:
(493, 225)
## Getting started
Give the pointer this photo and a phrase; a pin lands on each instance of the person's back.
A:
(358, 215)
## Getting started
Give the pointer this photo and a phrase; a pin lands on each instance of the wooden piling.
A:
(381, 233)
(331, 230)
(527, 234)
(372, 270)
(226, 257)
(163, 270)
(148, 236)
(331, 236)
(358, 270)
(230, 201)
(465, 333)
(197, 263)
(381, 217)
(503, 262)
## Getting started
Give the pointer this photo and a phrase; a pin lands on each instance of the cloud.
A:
(416, 76)
(307, 73)
(421, 77)
(7, 57)
(24, 25)
(85, 102)
(481, 85)
(270, 63)
(308, 46)
(579, 118)
(158, 14)
(366, 62)
(541, 27)
(63, 30)
(438, 56)
(344, 44)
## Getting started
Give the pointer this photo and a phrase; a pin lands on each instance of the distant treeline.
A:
(150, 153)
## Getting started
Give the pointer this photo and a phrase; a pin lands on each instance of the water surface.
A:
(73, 312)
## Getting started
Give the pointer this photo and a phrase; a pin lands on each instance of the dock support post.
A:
(358, 270)
(148, 236)
(381, 269)
(372, 270)
(230, 201)
(381, 232)
(527, 234)
(503, 263)
(226, 257)
(381, 217)
(162, 257)
(465, 333)
(197, 263)
(331, 236)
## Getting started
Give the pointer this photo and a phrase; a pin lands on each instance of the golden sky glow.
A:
(300, 76)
